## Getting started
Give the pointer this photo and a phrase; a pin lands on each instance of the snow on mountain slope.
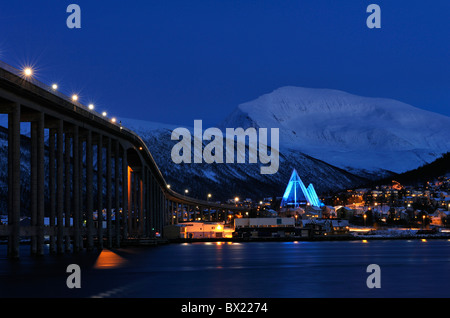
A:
(227, 180)
(352, 132)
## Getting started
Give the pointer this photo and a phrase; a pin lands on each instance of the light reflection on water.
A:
(409, 268)
(109, 259)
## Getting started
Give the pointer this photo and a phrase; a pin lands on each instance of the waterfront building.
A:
(198, 230)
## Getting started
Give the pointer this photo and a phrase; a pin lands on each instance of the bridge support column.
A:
(77, 164)
(154, 216)
(133, 202)
(125, 202)
(147, 201)
(116, 193)
(68, 182)
(108, 192)
(140, 216)
(89, 194)
(14, 181)
(172, 216)
(100, 191)
(33, 185)
(59, 186)
(52, 186)
(40, 183)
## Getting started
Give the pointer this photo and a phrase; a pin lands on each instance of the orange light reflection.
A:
(108, 259)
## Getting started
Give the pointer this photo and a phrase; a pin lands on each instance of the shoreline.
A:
(349, 237)
(329, 238)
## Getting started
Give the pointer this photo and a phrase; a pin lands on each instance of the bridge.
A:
(95, 181)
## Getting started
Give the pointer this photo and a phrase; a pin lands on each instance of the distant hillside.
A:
(437, 168)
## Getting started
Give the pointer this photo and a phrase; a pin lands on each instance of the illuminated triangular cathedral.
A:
(296, 194)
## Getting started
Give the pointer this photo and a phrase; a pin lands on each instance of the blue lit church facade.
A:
(296, 194)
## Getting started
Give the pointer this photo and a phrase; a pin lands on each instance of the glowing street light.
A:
(168, 186)
(28, 71)
(113, 119)
(54, 87)
(186, 191)
(91, 106)
(104, 114)
(74, 97)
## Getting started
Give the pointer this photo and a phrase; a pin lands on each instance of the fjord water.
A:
(336, 269)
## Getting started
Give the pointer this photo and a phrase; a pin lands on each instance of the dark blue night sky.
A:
(175, 61)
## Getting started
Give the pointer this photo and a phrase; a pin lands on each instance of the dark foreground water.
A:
(409, 268)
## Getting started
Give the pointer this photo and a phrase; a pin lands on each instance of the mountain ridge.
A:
(337, 126)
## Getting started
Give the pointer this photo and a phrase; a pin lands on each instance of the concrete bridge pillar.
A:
(52, 186)
(67, 187)
(59, 186)
(125, 202)
(99, 191)
(116, 192)
(40, 157)
(77, 176)
(108, 192)
(14, 181)
(89, 193)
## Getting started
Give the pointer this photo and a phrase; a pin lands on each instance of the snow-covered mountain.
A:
(237, 179)
(351, 132)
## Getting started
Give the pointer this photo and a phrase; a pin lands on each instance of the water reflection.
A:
(108, 260)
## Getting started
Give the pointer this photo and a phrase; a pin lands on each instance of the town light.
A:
(91, 106)
(54, 87)
(74, 97)
(186, 191)
(28, 71)
(113, 119)
(104, 114)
